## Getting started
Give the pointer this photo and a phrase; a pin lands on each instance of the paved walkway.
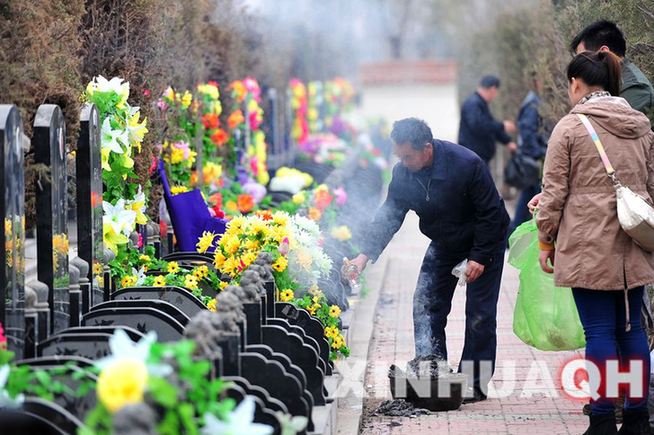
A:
(527, 409)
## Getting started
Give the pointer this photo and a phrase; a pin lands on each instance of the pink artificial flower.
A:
(284, 246)
(162, 105)
(153, 165)
(341, 196)
(139, 244)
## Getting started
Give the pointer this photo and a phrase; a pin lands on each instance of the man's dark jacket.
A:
(531, 140)
(478, 130)
(465, 215)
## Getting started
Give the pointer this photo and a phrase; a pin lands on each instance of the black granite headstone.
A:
(12, 213)
(51, 217)
(89, 197)
(142, 319)
(179, 297)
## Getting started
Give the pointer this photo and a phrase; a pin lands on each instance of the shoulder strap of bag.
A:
(598, 144)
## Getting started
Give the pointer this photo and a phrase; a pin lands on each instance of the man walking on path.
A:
(452, 192)
(478, 129)
(532, 143)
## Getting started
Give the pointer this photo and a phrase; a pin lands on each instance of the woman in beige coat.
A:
(580, 237)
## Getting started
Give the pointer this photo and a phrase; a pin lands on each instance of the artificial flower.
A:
(334, 311)
(122, 383)
(210, 121)
(211, 305)
(235, 119)
(113, 139)
(299, 198)
(219, 137)
(223, 284)
(280, 264)
(136, 130)
(173, 267)
(176, 190)
(245, 203)
(128, 281)
(341, 196)
(218, 259)
(239, 421)
(341, 233)
(116, 85)
(286, 295)
(331, 331)
(315, 214)
(138, 206)
(338, 341)
(190, 282)
(205, 241)
(159, 281)
(291, 425)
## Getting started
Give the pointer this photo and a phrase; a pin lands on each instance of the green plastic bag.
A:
(545, 316)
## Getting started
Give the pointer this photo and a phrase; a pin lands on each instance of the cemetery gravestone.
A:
(51, 216)
(12, 212)
(89, 200)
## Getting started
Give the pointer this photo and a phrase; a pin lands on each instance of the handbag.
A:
(635, 215)
(522, 171)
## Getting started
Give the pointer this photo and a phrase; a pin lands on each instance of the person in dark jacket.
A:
(531, 142)
(451, 190)
(478, 130)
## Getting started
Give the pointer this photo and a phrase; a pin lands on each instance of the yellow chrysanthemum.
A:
(190, 282)
(186, 99)
(172, 267)
(286, 295)
(249, 258)
(232, 244)
(122, 383)
(145, 258)
(159, 281)
(218, 259)
(280, 264)
(252, 245)
(201, 272)
(205, 242)
(334, 311)
(231, 266)
(212, 305)
(236, 223)
(280, 218)
(97, 268)
(223, 284)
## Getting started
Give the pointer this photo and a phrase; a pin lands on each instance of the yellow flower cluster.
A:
(159, 281)
(128, 281)
(176, 190)
(201, 272)
(245, 237)
(212, 305)
(205, 242)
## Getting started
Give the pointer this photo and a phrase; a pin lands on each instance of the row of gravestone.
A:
(270, 350)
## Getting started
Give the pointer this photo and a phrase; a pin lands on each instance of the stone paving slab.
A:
(528, 409)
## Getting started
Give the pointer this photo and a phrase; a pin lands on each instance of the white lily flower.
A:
(121, 220)
(122, 347)
(239, 422)
(139, 274)
(114, 140)
(291, 425)
(5, 400)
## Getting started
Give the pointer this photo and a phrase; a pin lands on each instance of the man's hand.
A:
(360, 261)
(533, 203)
(509, 127)
(512, 147)
(544, 256)
(473, 271)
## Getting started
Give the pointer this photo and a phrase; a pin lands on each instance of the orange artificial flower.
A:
(219, 137)
(210, 121)
(194, 178)
(245, 203)
(231, 206)
(266, 215)
(315, 214)
(322, 198)
(238, 90)
(235, 119)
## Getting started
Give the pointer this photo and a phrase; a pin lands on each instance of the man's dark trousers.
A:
(432, 302)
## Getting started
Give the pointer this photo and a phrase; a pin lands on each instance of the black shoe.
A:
(474, 395)
(635, 422)
(602, 424)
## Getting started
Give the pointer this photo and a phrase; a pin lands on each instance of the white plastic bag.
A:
(460, 272)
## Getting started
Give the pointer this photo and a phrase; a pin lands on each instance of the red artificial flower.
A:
(220, 137)
(266, 215)
(210, 121)
(146, 93)
(212, 83)
(217, 200)
(218, 212)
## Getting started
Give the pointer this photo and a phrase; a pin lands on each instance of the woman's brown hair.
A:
(600, 68)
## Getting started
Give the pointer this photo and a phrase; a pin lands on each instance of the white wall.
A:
(436, 104)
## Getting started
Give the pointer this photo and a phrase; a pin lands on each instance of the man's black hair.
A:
(412, 130)
(600, 33)
(489, 81)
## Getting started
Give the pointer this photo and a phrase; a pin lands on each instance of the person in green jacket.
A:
(606, 36)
